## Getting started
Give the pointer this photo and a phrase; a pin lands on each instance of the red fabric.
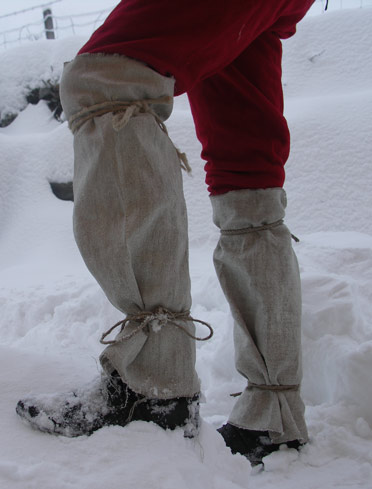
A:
(227, 57)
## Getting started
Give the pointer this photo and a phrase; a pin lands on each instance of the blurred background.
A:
(29, 20)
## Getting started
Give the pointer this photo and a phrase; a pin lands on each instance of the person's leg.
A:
(239, 119)
(238, 115)
(130, 218)
(130, 224)
(191, 40)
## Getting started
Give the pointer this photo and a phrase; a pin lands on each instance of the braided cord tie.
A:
(162, 316)
(268, 387)
(276, 388)
(122, 112)
(253, 229)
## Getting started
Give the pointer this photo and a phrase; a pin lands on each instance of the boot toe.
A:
(26, 410)
(254, 445)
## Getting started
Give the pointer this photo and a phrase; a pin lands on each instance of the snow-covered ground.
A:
(52, 312)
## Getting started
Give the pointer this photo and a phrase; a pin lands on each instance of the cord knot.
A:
(122, 112)
(159, 318)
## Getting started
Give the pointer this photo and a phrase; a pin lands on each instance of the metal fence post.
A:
(48, 23)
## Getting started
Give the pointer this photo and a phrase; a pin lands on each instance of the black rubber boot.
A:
(255, 445)
(104, 402)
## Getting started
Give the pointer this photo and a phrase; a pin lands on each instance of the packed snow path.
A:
(52, 311)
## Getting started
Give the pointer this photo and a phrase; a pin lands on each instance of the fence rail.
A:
(65, 25)
(29, 9)
(84, 24)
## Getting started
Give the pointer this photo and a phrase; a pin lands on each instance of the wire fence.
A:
(29, 9)
(53, 26)
(319, 5)
(62, 26)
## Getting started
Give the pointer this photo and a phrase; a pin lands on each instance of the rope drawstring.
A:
(278, 388)
(163, 316)
(270, 387)
(123, 111)
(253, 229)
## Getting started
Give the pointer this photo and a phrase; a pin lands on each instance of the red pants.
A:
(227, 57)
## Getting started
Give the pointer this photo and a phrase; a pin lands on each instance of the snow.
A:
(53, 312)
(41, 64)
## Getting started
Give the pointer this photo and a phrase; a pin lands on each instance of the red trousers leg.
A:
(228, 59)
(238, 115)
